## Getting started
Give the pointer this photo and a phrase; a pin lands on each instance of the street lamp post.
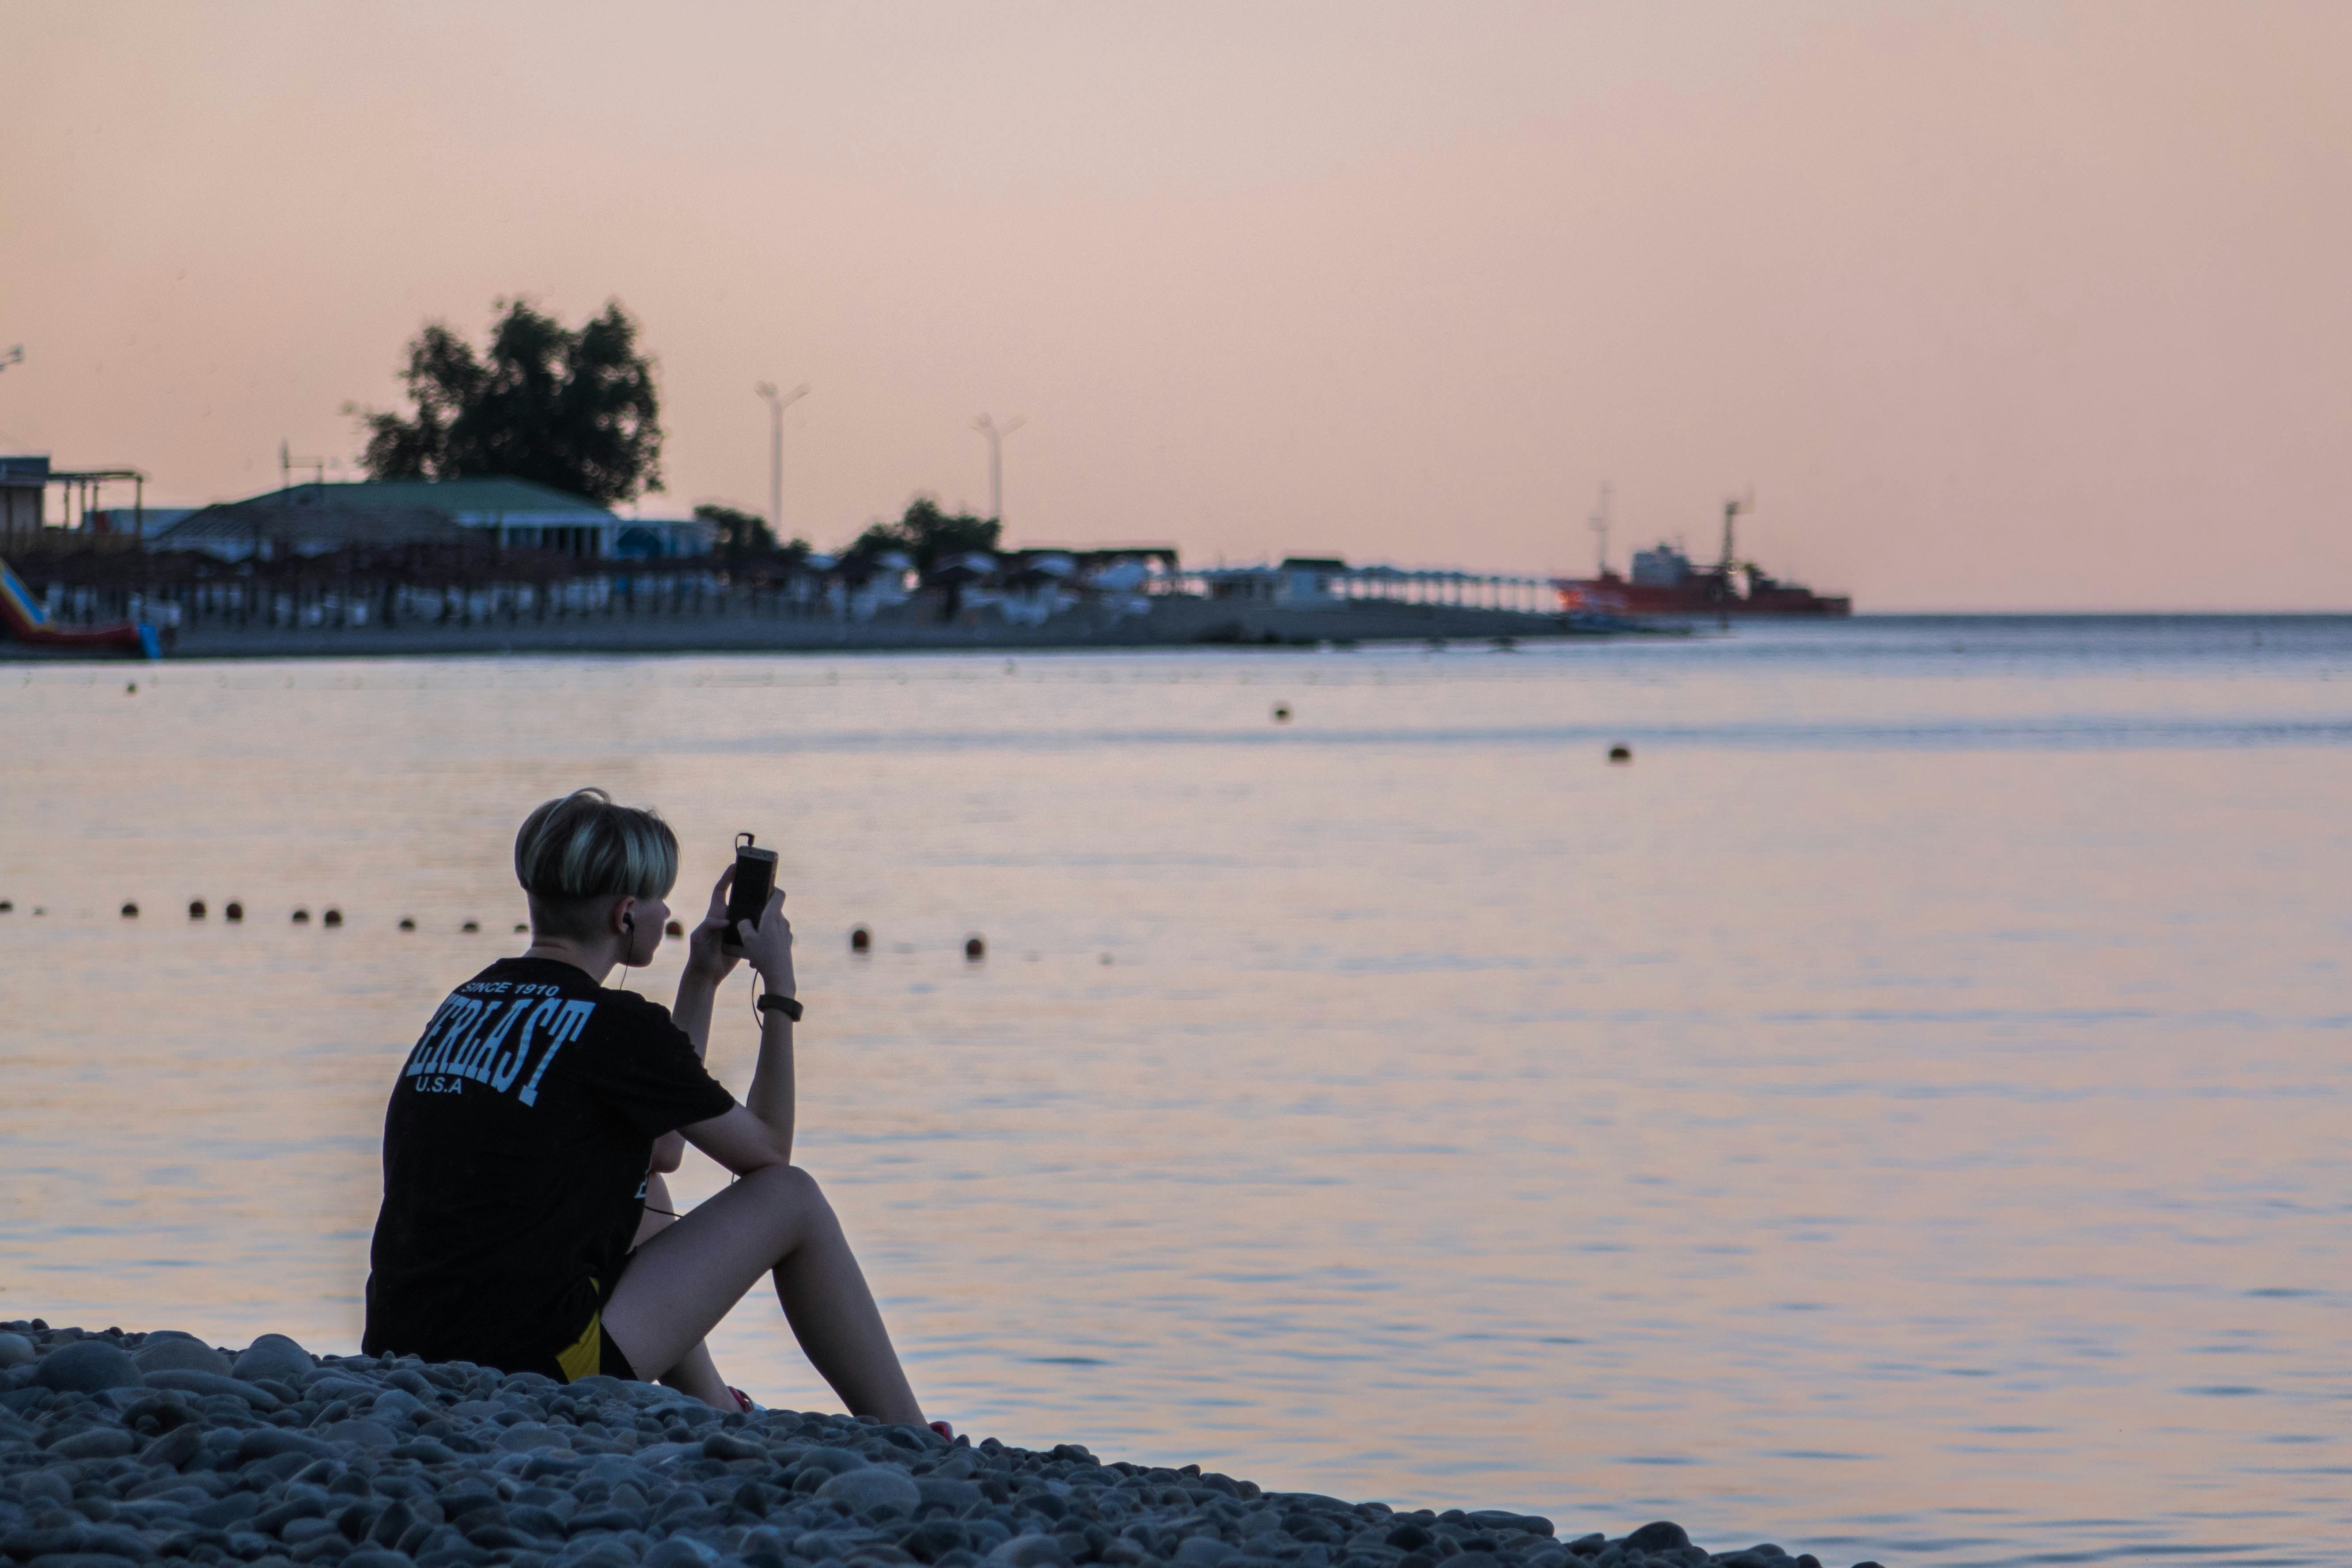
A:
(996, 434)
(777, 403)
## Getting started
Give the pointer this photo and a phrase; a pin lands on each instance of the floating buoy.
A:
(471, 926)
(301, 917)
(522, 926)
(38, 911)
(195, 908)
(233, 911)
(1620, 754)
(1106, 958)
(6, 905)
(407, 924)
(974, 950)
(131, 689)
(331, 917)
(673, 928)
(131, 912)
(860, 939)
(1282, 712)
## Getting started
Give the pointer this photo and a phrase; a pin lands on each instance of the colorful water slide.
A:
(30, 623)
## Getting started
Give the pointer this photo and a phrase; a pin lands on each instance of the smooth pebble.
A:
(177, 1354)
(274, 1355)
(874, 1486)
(87, 1366)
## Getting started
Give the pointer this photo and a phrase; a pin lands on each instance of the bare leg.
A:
(695, 1372)
(774, 1220)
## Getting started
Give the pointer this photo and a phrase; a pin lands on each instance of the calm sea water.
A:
(1903, 1114)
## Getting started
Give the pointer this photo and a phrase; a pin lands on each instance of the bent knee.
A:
(788, 1184)
(794, 1202)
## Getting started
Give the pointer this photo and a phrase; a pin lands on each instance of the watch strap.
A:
(777, 1001)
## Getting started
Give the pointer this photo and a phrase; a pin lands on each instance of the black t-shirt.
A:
(515, 1152)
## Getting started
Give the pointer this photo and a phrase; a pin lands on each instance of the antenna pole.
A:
(777, 403)
(1599, 523)
(995, 435)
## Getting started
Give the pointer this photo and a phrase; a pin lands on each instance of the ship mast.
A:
(1724, 594)
(1731, 509)
(1599, 523)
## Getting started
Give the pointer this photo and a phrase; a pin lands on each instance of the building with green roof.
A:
(319, 519)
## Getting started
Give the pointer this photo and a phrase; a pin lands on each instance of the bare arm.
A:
(759, 1132)
(707, 964)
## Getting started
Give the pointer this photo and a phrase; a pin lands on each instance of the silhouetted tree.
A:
(574, 409)
(928, 534)
(745, 536)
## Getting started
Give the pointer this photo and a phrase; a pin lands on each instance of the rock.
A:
(1499, 1518)
(232, 1510)
(87, 1559)
(874, 1486)
(668, 1453)
(363, 1431)
(274, 1355)
(726, 1446)
(178, 1354)
(98, 1443)
(1031, 1551)
(15, 1349)
(1662, 1536)
(201, 1384)
(838, 1461)
(528, 1434)
(175, 1448)
(394, 1405)
(374, 1557)
(946, 1492)
(680, 1552)
(86, 1366)
(424, 1450)
(1202, 1552)
(272, 1442)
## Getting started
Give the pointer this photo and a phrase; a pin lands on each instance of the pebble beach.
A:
(118, 1449)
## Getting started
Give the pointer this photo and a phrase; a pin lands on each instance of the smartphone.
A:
(747, 899)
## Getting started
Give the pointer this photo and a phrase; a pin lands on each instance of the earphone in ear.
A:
(628, 922)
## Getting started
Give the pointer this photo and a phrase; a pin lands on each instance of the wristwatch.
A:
(778, 1002)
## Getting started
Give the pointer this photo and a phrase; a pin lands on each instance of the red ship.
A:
(1665, 582)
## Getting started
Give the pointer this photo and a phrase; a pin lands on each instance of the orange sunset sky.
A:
(1995, 306)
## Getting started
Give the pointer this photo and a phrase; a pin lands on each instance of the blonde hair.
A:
(581, 848)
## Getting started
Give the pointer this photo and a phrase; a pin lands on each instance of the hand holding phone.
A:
(755, 879)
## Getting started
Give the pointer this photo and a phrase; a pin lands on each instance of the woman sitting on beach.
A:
(528, 1127)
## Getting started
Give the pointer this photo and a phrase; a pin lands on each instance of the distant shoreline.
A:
(1171, 624)
(1191, 626)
